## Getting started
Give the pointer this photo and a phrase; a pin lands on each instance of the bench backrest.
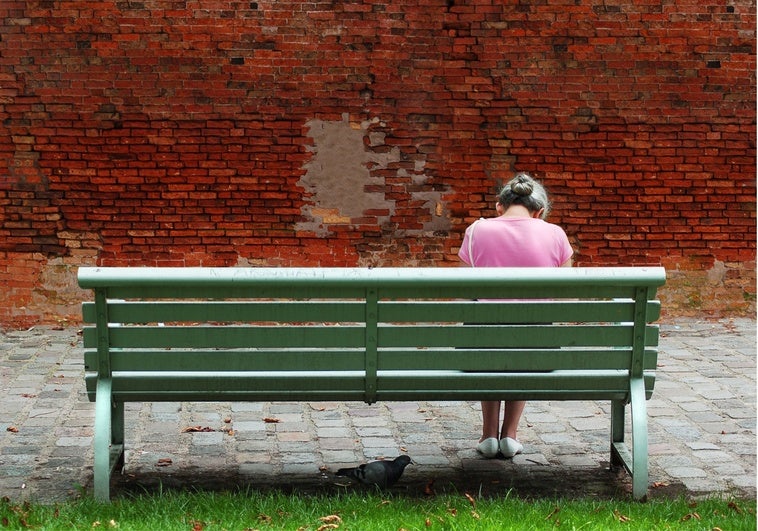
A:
(370, 334)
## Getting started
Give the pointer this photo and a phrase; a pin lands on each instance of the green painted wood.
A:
(275, 386)
(510, 336)
(351, 335)
(639, 448)
(231, 337)
(297, 278)
(346, 310)
(200, 360)
(512, 311)
(353, 360)
(155, 311)
(371, 344)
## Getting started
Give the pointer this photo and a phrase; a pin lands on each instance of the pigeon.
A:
(382, 474)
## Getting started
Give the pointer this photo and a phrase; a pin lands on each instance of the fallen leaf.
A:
(192, 429)
(12, 429)
(197, 526)
(659, 484)
(164, 461)
(28, 395)
(734, 507)
(690, 516)
(265, 518)
(620, 517)
(471, 500)
(475, 515)
(428, 523)
(325, 527)
(227, 420)
(271, 420)
(331, 519)
(429, 489)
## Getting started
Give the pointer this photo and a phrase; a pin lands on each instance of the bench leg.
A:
(109, 439)
(639, 435)
(636, 461)
(618, 427)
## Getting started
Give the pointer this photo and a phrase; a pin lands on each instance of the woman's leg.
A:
(511, 417)
(490, 419)
(489, 445)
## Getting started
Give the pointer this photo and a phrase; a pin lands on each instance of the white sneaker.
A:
(510, 447)
(488, 447)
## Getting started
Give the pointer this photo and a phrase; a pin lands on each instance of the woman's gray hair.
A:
(526, 191)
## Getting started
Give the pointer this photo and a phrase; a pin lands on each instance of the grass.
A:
(367, 511)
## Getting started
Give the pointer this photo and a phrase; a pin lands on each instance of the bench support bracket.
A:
(109, 439)
(635, 461)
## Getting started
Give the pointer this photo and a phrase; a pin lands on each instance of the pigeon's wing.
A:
(376, 473)
(394, 469)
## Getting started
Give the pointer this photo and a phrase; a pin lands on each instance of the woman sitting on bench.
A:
(518, 237)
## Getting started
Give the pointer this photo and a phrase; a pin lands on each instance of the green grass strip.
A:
(368, 510)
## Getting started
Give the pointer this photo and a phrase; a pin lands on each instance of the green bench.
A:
(357, 334)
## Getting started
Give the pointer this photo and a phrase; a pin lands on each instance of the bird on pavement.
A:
(382, 474)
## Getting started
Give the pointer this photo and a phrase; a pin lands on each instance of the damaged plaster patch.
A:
(345, 180)
(338, 176)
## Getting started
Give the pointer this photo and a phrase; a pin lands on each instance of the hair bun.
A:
(522, 187)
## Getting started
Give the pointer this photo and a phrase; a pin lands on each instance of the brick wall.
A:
(229, 133)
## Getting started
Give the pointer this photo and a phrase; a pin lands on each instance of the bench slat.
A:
(511, 336)
(512, 311)
(229, 337)
(462, 291)
(511, 360)
(345, 310)
(353, 336)
(391, 385)
(344, 278)
(199, 360)
(230, 312)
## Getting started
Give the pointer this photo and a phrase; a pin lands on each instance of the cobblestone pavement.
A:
(702, 431)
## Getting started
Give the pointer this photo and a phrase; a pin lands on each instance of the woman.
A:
(518, 237)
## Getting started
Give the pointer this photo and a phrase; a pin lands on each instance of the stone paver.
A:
(702, 431)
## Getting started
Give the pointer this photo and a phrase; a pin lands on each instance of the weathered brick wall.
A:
(209, 132)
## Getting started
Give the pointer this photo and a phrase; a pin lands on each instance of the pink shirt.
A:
(515, 242)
